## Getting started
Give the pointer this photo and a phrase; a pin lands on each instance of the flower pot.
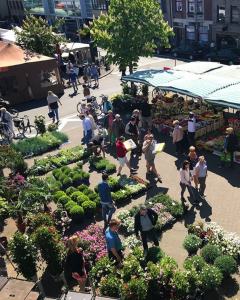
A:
(21, 227)
(66, 186)
(86, 181)
(4, 241)
(77, 183)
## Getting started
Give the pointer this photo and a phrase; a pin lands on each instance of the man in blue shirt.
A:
(114, 244)
(73, 78)
(104, 191)
(94, 71)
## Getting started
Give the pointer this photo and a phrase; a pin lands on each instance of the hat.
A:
(230, 129)
(143, 207)
(3, 109)
(176, 122)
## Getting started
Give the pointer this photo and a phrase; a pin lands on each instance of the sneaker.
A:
(159, 179)
(118, 174)
(143, 129)
(220, 167)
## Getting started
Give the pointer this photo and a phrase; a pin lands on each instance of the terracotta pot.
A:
(21, 227)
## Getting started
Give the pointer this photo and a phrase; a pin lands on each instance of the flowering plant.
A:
(155, 254)
(23, 254)
(210, 253)
(169, 267)
(180, 285)
(197, 229)
(102, 268)
(61, 218)
(196, 262)
(226, 264)
(135, 289)
(192, 243)
(131, 268)
(122, 215)
(109, 286)
(129, 224)
(163, 215)
(16, 182)
(35, 221)
(154, 277)
(211, 278)
(132, 242)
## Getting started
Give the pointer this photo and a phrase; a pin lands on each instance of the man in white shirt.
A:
(191, 128)
(212, 47)
(87, 128)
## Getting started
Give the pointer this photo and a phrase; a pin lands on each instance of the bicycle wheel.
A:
(30, 131)
(79, 107)
(5, 135)
(98, 109)
(13, 112)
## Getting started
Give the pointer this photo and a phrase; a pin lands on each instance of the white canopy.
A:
(74, 46)
(198, 67)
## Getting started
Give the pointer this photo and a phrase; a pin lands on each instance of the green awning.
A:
(154, 78)
(198, 86)
(228, 97)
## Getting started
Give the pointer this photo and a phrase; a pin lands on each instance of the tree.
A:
(37, 36)
(127, 31)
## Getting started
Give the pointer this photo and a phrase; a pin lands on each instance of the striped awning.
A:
(199, 86)
(198, 67)
(227, 71)
(228, 97)
(155, 78)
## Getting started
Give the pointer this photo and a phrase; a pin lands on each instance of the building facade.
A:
(16, 10)
(4, 11)
(192, 21)
(226, 18)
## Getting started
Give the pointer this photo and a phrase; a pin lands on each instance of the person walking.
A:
(114, 244)
(69, 66)
(87, 75)
(53, 101)
(148, 149)
(138, 123)
(73, 79)
(121, 155)
(83, 108)
(107, 105)
(86, 93)
(185, 180)
(201, 175)
(149, 132)
(92, 112)
(146, 112)
(76, 263)
(230, 145)
(118, 127)
(95, 142)
(104, 191)
(193, 160)
(87, 128)
(191, 128)
(133, 132)
(94, 71)
(145, 221)
(178, 137)
(93, 124)
(7, 118)
(108, 121)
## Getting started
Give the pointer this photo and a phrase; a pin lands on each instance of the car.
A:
(190, 51)
(229, 56)
(160, 49)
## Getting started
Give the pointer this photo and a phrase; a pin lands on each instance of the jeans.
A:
(202, 182)
(179, 146)
(191, 136)
(74, 84)
(87, 137)
(110, 212)
(113, 257)
(55, 110)
(184, 187)
(231, 163)
(150, 233)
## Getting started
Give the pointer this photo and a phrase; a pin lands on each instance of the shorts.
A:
(150, 162)
(102, 143)
(95, 76)
(192, 172)
(146, 119)
(123, 161)
(78, 277)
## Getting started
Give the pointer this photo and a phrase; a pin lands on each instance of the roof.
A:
(74, 46)
(228, 97)
(155, 77)
(198, 67)
(12, 55)
(227, 71)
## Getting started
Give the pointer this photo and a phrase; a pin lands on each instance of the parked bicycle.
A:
(5, 133)
(6, 104)
(93, 100)
(24, 127)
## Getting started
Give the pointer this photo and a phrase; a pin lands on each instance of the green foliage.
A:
(63, 200)
(3, 207)
(93, 196)
(52, 127)
(75, 195)
(79, 164)
(192, 243)
(35, 221)
(131, 267)
(154, 278)
(145, 90)
(89, 207)
(102, 268)
(67, 180)
(134, 90)
(70, 205)
(196, 262)
(109, 286)
(70, 191)
(87, 192)
(64, 168)
(37, 36)
(226, 264)
(81, 199)
(39, 122)
(57, 195)
(98, 204)
(110, 168)
(169, 267)
(82, 187)
(134, 289)
(155, 254)
(125, 89)
(210, 253)
(211, 277)
(196, 229)
(77, 213)
(77, 177)
(23, 254)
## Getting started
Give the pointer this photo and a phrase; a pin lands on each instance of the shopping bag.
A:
(129, 145)
(105, 133)
(51, 114)
(225, 156)
(158, 148)
(113, 139)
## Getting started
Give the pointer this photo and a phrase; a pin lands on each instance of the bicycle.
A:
(6, 104)
(27, 130)
(5, 132)
(97, 107)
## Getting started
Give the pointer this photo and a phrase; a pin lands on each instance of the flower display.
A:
(131, 268)
(164, 216)
(109, 286)
(132, 242)
(102, 268)
(16, 182)
(134, 289)
(197, 229)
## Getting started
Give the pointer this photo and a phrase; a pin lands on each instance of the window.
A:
(221, 13)
(10, 4)
(178, 5)
(48, 77)
(203, 33)
(234, 14)
(190, 30)
(14, 5)
(99, 4)
(191, 6)
(17, 5)
(199, 6)
(34, 7)
(8, 85)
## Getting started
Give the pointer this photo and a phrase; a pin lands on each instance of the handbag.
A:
(51, 114)
(226, 156)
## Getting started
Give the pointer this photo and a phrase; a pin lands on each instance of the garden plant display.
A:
(102, 164)
(192, 243)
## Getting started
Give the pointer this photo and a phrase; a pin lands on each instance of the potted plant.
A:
(79, 164)
(70, 205)
(192, 243)
(102, 268)
(196, 262)
(39, 122)
(89, 208)
(86, 177)
(57, 195)
(210, 277)
(24, 254)
(61, 219)
(63, 200)
(70, 191)
(98, 205)
(110, 286)
(67, 182)
(82, 198)
(110, 168)
(226, 264)
(134, 289)
(155, 254)
(131, 267)
(37, 220)
(209, 253)
(77, 179)
(77, 214)
(82, 187)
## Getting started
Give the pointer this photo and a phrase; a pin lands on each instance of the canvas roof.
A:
(12, 55)
(198, 67)
(227, 71)
(74, 46)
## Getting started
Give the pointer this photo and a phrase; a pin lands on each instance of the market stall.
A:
(198, 67)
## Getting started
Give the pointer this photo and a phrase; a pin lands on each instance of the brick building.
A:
(16, 10)
(226, 17)
(192, 20)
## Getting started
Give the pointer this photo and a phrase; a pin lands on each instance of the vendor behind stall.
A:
(191, 128)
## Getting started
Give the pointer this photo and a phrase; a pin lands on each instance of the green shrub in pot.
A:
(77, 178)
(155, 254)
(86, 175)
(210, 277)
(81, 199)
(67, 180)
(75, 195)
(63, 200)
(82, 187)
(192, 243)
(79, 164)
(93, 196)
(226, 264)
(89, 208)
(209, 253)
(98, 204)
(62, 177)
(70, 190)
(57, 195)
(64, 168)
(77, 214)
(87, 192)
(196, 262)
(70, 205)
